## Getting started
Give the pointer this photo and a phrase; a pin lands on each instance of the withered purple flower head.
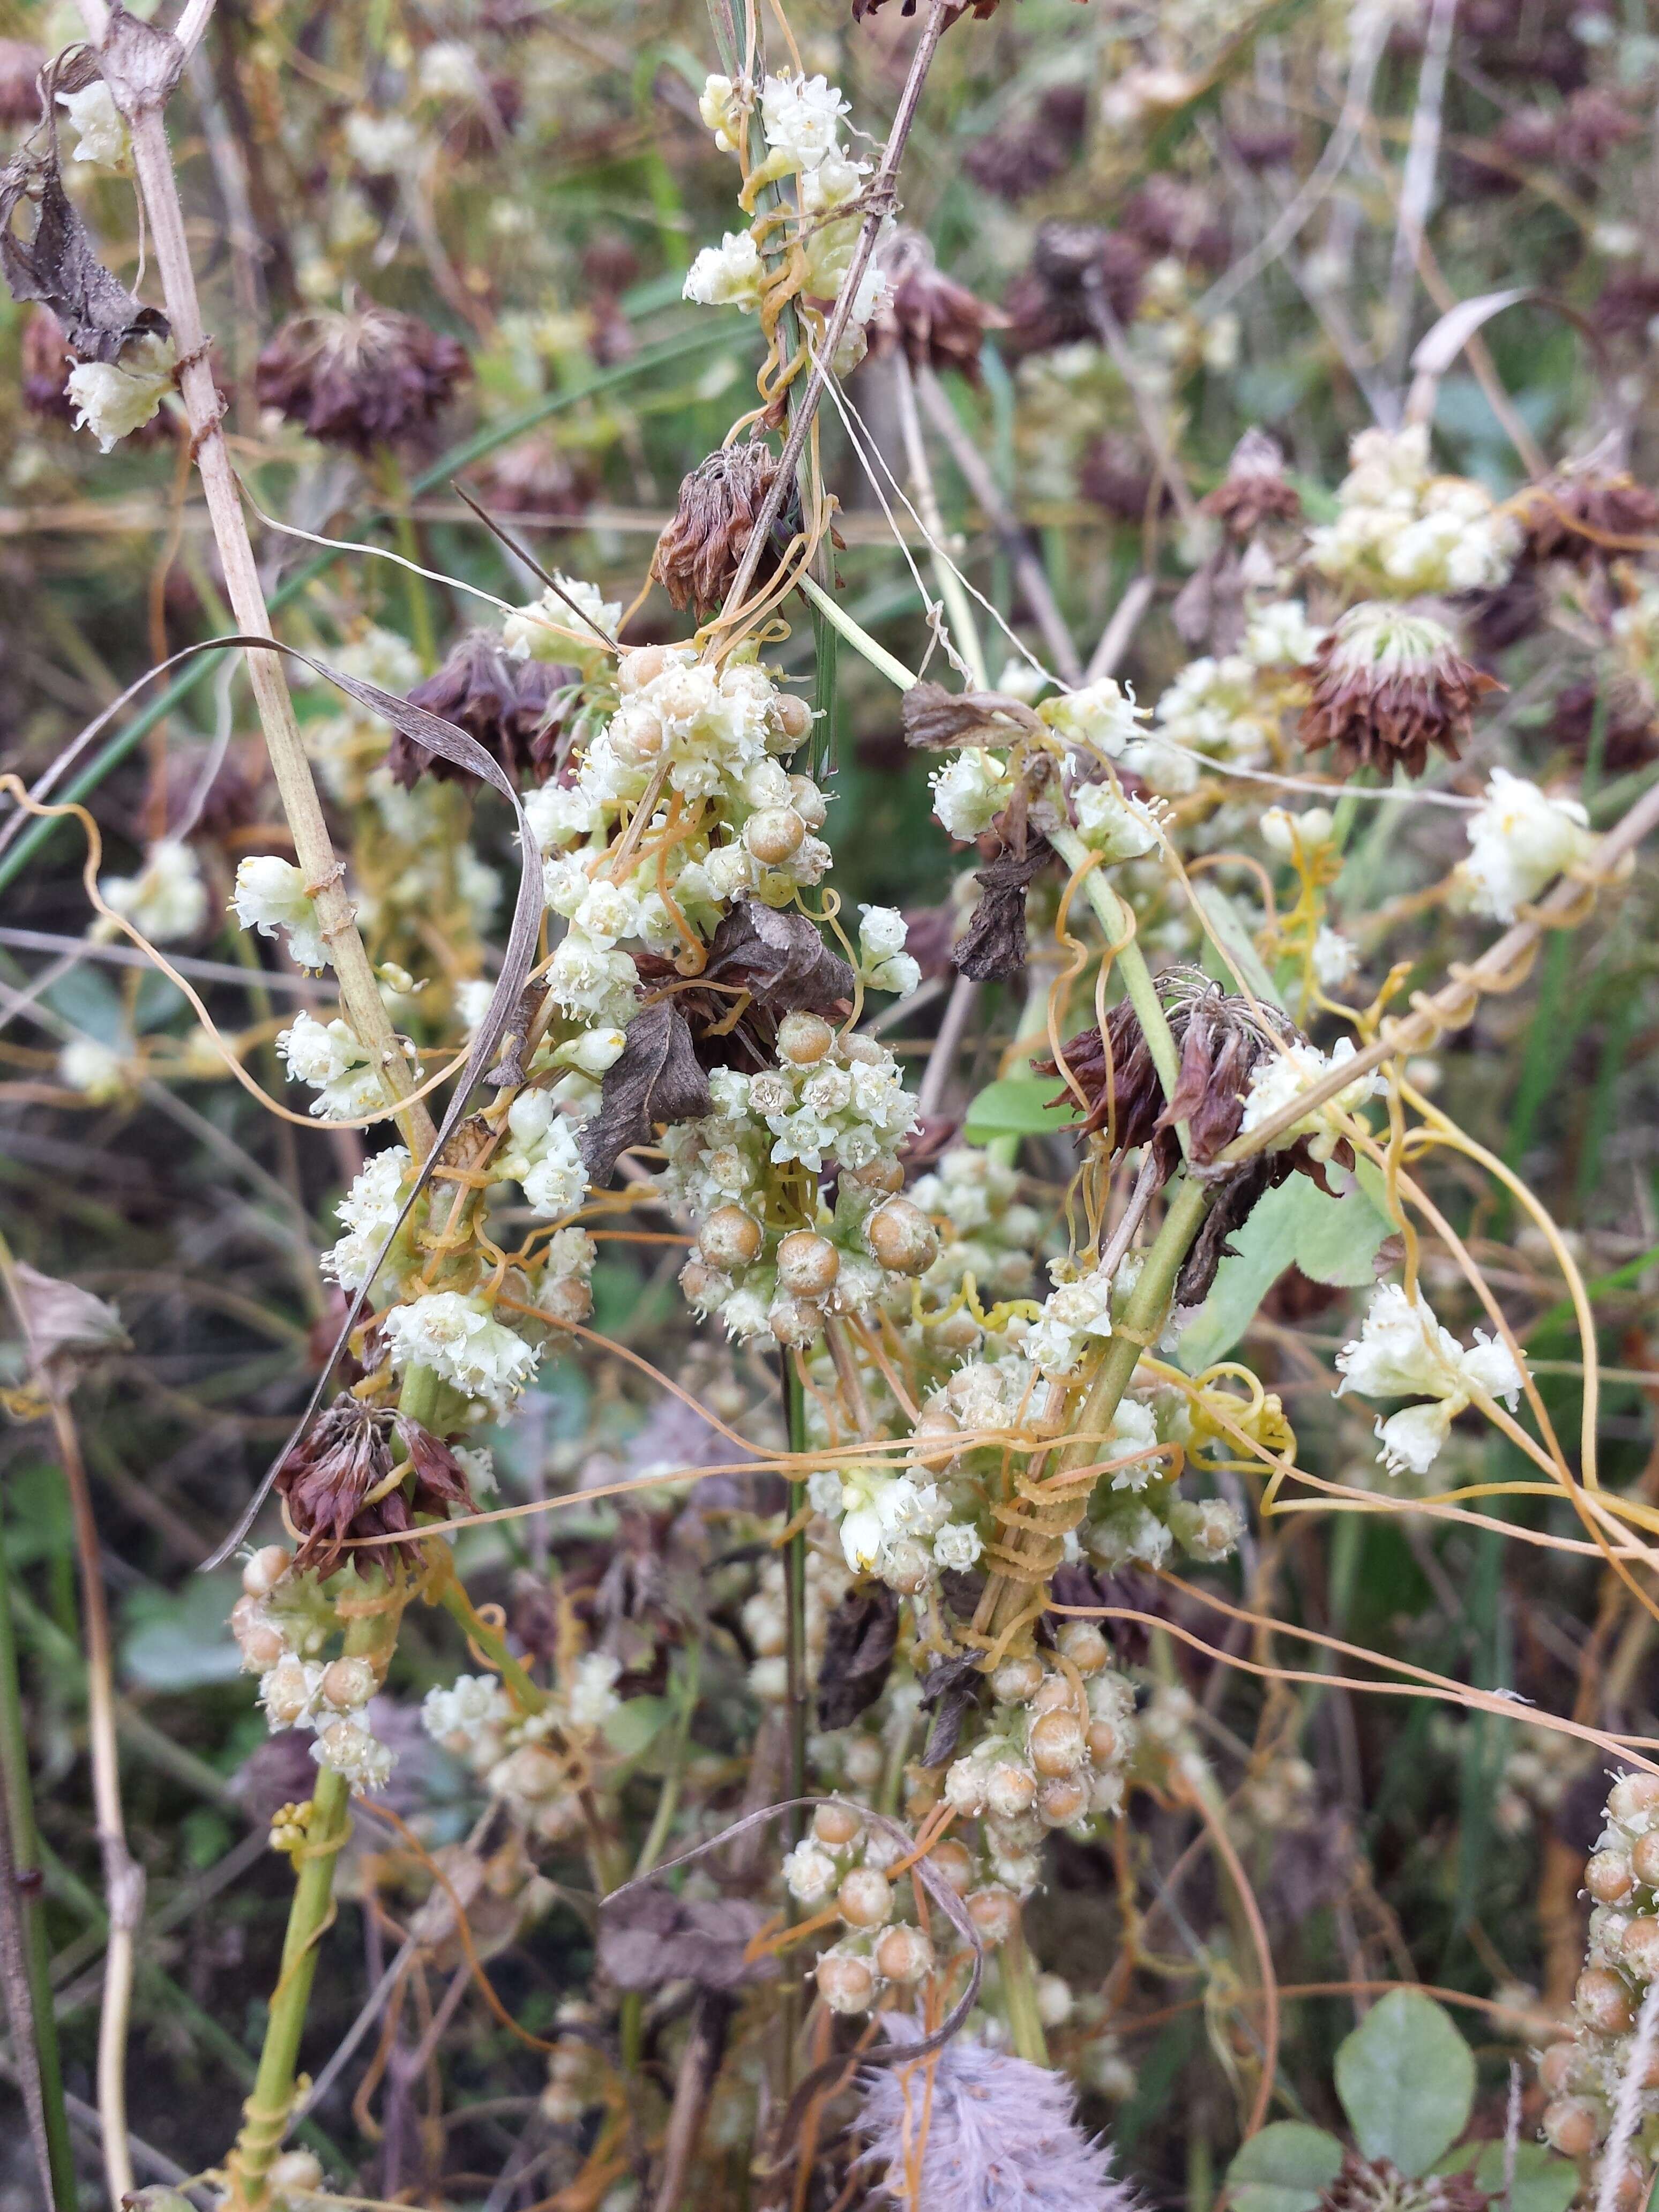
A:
(329, 1480)
(512, 707)
(1389, 686)
(940, 323)
(979, 2130)
(1031, 148)
(1074, 266)
(21, 64)
(699, 553)
(1254, 489)
(1368, 2184)
(1585, 515)
(366, 376)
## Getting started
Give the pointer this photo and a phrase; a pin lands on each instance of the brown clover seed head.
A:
(1609, 506)
(865, 1898)
(1254, 489)
(719, 503)
(1603, 2001)
(837, 1826)
(1573, 2126)
(369, 377)
(346, 1453)
(730, 1238)
(512, 707)
(939, 323)
(774, 835)
(901, 1237)
(808, 1264)
(904, 1954)
(1609, 1877)
(1388, 687)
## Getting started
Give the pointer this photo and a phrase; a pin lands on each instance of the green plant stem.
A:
(1019, 1994)
(417, 596)
(859, 638)
(1118, 921)
(24, 1870)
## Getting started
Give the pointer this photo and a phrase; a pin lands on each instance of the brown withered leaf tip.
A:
(939, 323)
(371, 376)
(1254, 490)
(512, 707)
(1380, 712)
(939, 720)
(656, 1078)
(993, 944)
(1220, 1039)
(1609, 505)
(649, 1937)
(859, 1639)
(948, 1692)
(346, 1453)
(719, 502)
(780, 959)
(58, 267)
(67, 1328)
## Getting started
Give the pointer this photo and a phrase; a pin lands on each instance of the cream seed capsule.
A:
(1572, 2125)
(1609, 1877)
(883, 1175)
(1082, 1645)
(1056, 1744)
(1644, 1858)
(808, 801)
(1010, 1790)
(1054, 1694)
(808, 1264)
(296, 2169)
(904, 1954)
(795, 716)
(266, 1570)
(865, 1899)
(995, 1913)
(837, 1826)
(846, 1984)
(773, 835)
(730, 1238)
(1632, 1795)
(863, 1762)
(792, 1321)
(804, 1039)
(906, 1566)
(1061, 1800)
(1102, 1739)
(1017, 1681)
(1602, 2000)
(1640, 1945)
(262, 1646)
(640, 666)
(933, 1440)
(566, 1301)
(901, 1237)
(1555, 2067)
(704, 1287)
(953, 1862)
(288, 1692)
(347, 1684)
(961, 1333)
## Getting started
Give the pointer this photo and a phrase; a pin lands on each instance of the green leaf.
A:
(1543, 2182)
(1407, 2081)
(1332, 1240)
(1018, 1106)
(634, 1723)
(181, 1642)
(1286, 2167)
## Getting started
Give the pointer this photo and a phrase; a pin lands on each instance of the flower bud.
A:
(1061, 1800)
(795, 716)
(1610, 1878)
(901, 1237)
(804, 1039)
(1083, 1645)
(845, 1983)
(865, 1899)
(1017, 1681)
(995, 1913)
(730, 1238)
(266, 1570)
(837, 1826)
(296, 2169)
(1602, 2000)
(1055, 1742)
(1009, 1789)
(1572, 2125)
(640, 666)
(347, 1684)
(905, 1955)
(773, 835)
(808, 1264)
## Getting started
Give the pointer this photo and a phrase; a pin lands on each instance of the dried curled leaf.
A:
(657, 1077)
(936, 720)
(993, 942)
(859, 1642)
(66, 1327)
(649, 1937)
(58, 267)
(948, 1692)
(780, 959)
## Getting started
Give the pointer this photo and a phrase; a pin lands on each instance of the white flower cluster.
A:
(1402, 1352)
(891, 1525)
(883, 963)
(166, 899)
(541, 1154)
(271, 895)
(112, 399)
(327, 1057)
(551, 628)
(476, 1721)
(1281, 1076)
(801, 120)
(463, 1344)
(1278, 635)
(283, 1621)
(987, 1232)
(970, 791)
(766, 1621)
(1401, 530)
(1520, 838)
(1074, 1315)
(97, 1071)
(1118, 828)
(101, 137)
(1049, 1758)
(349, 746)
(368, 1213)
(1220, 707)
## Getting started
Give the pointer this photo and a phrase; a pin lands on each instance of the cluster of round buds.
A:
(282, 1622)
(904, 1529)
(1053, 1755)
(576, 2065)
(1586, 2077)
(535, 1763)
(844, 1865)
(833, 1098)
(766, 1621)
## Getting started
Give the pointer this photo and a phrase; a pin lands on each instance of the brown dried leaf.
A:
(936, 720)
(993, 942)
(649, 1937)
(780, 959)
(66, 1327)
(948, 1691)
(858, 1650)
(58, 267)
(656, 1079)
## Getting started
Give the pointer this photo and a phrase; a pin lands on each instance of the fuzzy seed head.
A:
(808, 1264)
(901, 1237)
(865, 1899)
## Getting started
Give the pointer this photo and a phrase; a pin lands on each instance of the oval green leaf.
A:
(1407, 2081)
(1286, 2167)
(1018, 1107)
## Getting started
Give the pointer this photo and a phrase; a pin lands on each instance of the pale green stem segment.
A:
(857, 637)
(1019, 1995)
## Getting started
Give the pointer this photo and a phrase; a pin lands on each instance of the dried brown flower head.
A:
(940, 323)
(1375, 2185)
(367, 377)
(512, 707)
(1629, 732)
(699, 553)
(1268, 148)
(1074, 264)
(1118, 473)
(534, 477)
(1594, 121)
(1626, 304)
(1389, 687)
(329, 1479)
(1033, 148)
(1254, 490)
(1170, 216)
(1610, 506)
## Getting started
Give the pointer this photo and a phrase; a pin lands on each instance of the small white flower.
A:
(593, 1697)
(104, 142)
(271, 895)
(969, 792)
(810, 1875)
(346, 1747)
(882, 931)
(560, 814)
(824, 1491)
(93, 1069)
(557, 1182)
(1403, 1352)
(449, 71)
(1280, 1077)
(801, 117)
(549, 628)
(462, 1343)
(901, 975)
(329, 1059)
(957, 1545)
(1103, 715)
(719, 107)
(1520, 838)
(382, 145)
(473, 1704)
(1118, 828)
(727, 275)
(1335, 958)
(1280, 636)
(1284, 833)
(168, 899)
